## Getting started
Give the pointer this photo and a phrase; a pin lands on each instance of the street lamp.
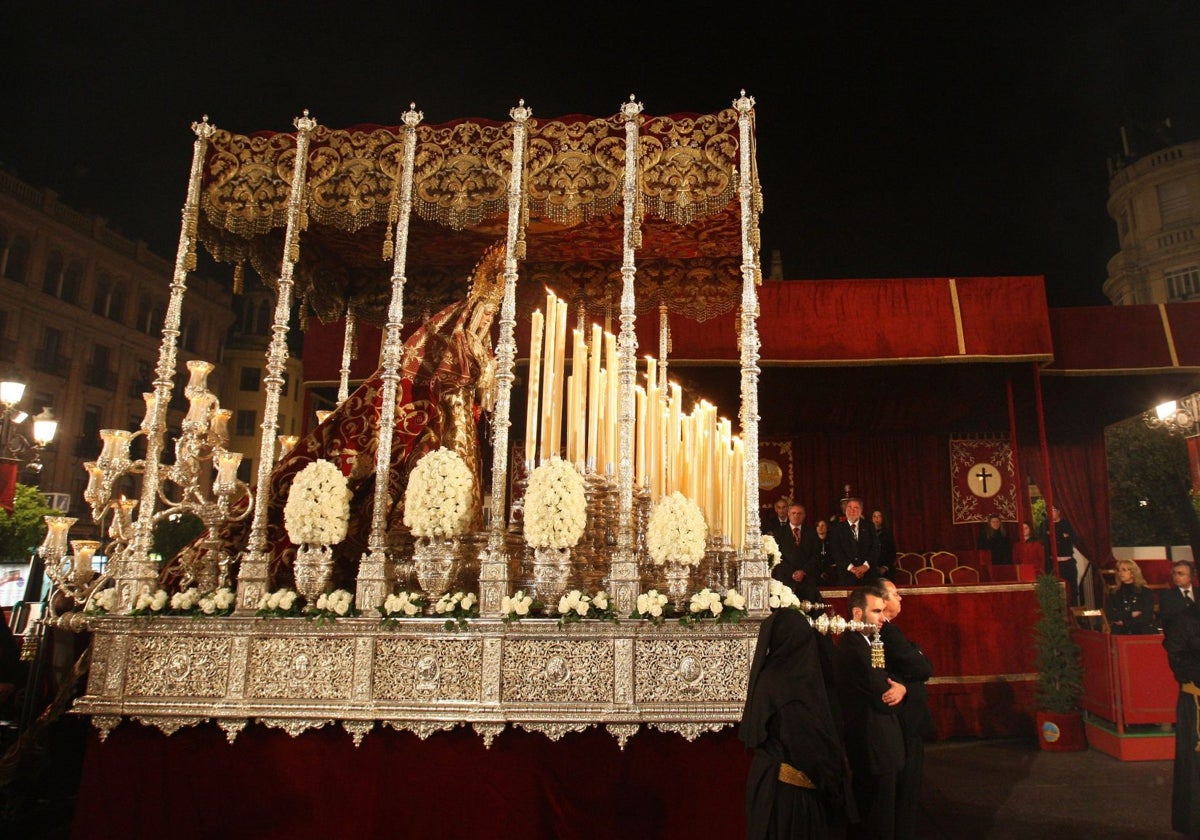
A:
(13, 444)
(1176, 417)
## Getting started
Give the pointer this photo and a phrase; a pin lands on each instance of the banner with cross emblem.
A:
(982, 480)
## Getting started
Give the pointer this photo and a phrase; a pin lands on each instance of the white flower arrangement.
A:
(576, 605)
(185, 601)
(440, 495)
(781, 597)
(771, 549)
(677, 533)
(333, 605)
(706, 604)
(651, 606)
(402, 605)
(515, 607)
(219, 602)
(279, 604)
(457, 608)
(150, 603)
(555, 506)
(102, 601)
(318, 505)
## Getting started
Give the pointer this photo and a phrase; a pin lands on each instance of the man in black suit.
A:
(775, 518)
(855, 551)
(798, 548)
(1181, 596)
(870, 702)
(907, 664)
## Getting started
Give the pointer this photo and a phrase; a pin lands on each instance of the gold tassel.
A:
(877, 659)
(239, 278)
(388, 247)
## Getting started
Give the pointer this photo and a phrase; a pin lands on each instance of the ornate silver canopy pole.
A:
(254, 573)
(347, 353)
(375, 572)
(493, 560)
(623, 576)
(136, 569)
(753, 572)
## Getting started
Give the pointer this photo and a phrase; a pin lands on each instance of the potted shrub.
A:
(1060, 671)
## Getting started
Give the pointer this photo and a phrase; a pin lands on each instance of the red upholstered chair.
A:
(964, 574)
(929, 577)
(943, 560)
(900, 577)
(910, 561)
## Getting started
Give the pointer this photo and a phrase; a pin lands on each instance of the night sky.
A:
(928, 141)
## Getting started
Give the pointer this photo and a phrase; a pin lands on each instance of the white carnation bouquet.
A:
(279, 604)
(677, 533)
(576, 605)
(651, 606)
(516, 606)
(457, 608)
(331, 606)
(440, 495)
(555, 506)
(150, 603)
(402, 605)
(318, 505)
(781, 597)
(102, 601)
(707, 604)
(771, 549)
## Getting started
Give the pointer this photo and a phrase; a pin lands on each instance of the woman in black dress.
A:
(994, 539)
(1130, 606)
(796, 783)
(886, 540)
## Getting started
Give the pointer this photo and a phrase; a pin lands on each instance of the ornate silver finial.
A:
(744, 103)
(521, 113)
(304, 123)
(203, 129)
(632, 108)
(412, 116)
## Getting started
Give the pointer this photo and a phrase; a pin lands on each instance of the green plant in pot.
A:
(1060, 671)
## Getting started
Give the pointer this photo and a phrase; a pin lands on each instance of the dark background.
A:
(931, 139)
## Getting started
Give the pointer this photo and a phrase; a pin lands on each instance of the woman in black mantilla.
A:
(796, 783)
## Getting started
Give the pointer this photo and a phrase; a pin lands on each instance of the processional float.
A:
(428, 624)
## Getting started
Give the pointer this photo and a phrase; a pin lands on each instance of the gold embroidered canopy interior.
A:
(572, 229)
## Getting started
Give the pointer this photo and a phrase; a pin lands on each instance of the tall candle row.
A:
(576, 417)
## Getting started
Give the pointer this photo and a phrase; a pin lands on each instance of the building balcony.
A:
(48, 361)
(99, 377)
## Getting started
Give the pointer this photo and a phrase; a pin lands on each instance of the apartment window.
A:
(16, 262)
(1174, 202)
(284, 392)
(52, 279)
(52, 342)
(72, 282)
(149, 316)
(244, 469)
(103, 298)
(251, 379)
(190, 335)
(245, 422)
(1183, 283)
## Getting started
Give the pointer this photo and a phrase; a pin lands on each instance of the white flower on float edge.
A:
(651, 604)
(781, 596)
(519, 604)
(555, 506)
(440, 495)
(676, 532)
(318, 505)
(402, 604)
(771, 549)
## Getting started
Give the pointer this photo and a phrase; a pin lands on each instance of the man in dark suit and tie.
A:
(776, 517)
(855, 551)
(907, 663)
(870, 702)
(1182, 594)
(798, 549)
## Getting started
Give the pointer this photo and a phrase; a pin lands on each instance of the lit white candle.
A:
(593, 400)
(531, 398)
(548, 373)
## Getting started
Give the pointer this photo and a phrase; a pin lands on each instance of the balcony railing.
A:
(48, 361)
(99, 377)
